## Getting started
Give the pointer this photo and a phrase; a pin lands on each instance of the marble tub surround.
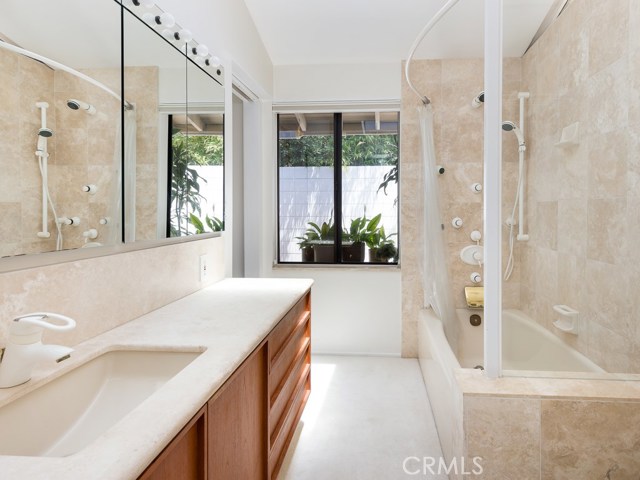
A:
(104, 292)
(551, 427)
(226, 321)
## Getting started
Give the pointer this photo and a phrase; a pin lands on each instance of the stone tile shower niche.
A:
(97, 192)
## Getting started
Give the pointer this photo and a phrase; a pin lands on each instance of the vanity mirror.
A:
(59, 117)
(178, 160)
(81, 167)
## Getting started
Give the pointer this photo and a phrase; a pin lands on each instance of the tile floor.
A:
(364, 417)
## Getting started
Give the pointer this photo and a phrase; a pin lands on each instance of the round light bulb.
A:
(147, 3)
(213, 61)
(168, 34)
(184, 35)
(149, 18)
(167, 20)
(202, 50)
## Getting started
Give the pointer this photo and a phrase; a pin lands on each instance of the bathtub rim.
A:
(434, 325)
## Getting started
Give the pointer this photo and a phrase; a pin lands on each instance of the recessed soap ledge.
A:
(225, 321)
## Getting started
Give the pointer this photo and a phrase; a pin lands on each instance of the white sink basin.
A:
(67, 414)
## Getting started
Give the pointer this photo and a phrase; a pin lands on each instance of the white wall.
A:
(354, 310)
(352, 82)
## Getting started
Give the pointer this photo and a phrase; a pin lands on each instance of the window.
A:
(338, 169)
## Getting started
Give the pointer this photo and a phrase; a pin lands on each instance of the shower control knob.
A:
(456, 222)
(476, 236)
(75, 221)
(440, 169)
(104, 220)
(475, 277)
(476, 187)
(91, 189)
(90, 234)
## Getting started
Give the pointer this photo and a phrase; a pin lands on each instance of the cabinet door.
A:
(185, 457)
(237, 423)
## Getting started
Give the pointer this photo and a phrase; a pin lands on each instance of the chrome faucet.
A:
(24, 347)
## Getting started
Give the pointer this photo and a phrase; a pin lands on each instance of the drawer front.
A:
(288, 425)
(283, 362)
(285, 391)
(279, 335)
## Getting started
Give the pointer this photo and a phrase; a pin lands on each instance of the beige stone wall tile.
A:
(572, 219)
(610, 21)
(608, 299)
(608, 164)
(505, 432)
(606, 230)
(589, 439)
(104, 292)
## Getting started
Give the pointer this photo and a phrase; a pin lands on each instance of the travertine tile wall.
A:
(451, 85)
(583, 200)
(558, 438)
(105, 292)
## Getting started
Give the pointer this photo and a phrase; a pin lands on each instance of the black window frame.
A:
(337, 199)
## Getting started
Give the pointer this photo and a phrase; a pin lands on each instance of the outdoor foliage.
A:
(357, 150)
(188, 151)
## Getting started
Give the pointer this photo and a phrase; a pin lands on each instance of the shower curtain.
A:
(435, 274)
(115, 207)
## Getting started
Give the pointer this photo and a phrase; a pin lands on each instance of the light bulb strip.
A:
(165, 23)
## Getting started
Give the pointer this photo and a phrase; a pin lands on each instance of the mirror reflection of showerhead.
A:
(478, 101)
(74, 104)
(512, 127)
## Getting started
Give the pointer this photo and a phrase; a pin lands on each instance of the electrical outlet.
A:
(203, 268)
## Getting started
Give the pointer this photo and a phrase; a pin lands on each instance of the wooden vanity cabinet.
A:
(237, 420)
(244, 430)
(184, 458)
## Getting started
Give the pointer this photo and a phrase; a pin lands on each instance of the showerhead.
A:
(512, 127)
(74, 104)
(45, 132)
(478, 101)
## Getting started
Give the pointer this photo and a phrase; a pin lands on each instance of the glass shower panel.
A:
(570, 297)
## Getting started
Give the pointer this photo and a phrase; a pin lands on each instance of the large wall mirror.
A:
(73, 104)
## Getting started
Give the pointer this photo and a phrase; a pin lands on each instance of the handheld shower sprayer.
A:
(74, 104)
(512, 127)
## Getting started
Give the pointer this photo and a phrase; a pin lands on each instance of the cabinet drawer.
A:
(286, 427)
(282, 395)
(282, 331)
(283, 362)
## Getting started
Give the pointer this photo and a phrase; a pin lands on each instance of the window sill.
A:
(339, 266)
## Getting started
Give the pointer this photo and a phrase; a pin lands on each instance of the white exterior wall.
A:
(306, 195)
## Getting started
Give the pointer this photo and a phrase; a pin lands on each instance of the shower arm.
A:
(61, 66)
(427, 28)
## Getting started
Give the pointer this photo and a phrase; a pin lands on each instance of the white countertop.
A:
(227, 320)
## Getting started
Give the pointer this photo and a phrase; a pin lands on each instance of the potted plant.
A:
(322, 240)
(381, 247)
(306, 245)
(355, 238)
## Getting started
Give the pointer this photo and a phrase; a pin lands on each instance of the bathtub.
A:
(526, 346)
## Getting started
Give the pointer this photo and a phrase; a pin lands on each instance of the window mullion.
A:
(337, 184)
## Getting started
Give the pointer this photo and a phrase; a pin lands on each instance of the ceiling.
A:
(377, 31)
